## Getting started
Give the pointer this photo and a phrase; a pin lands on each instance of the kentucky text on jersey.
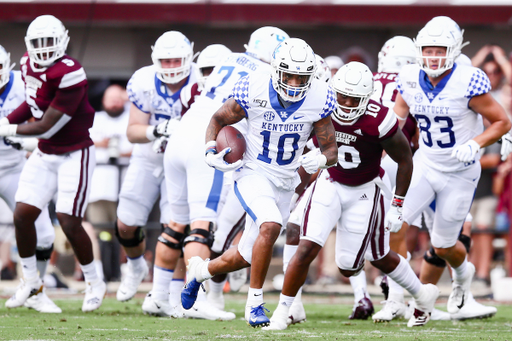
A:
(282, 127)
(246, 62)
(431, 109)
(344, 137)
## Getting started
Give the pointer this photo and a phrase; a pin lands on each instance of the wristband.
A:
(149, 133)
(211, 147)
(398, 201)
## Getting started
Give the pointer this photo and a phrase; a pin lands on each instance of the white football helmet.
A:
(5, 67)
(396, 52)
(293, 56)
(46, 41)
(172, 45)
(263, 41)
(323, 72)
(208, 58)
(440, 31)
(353, 80)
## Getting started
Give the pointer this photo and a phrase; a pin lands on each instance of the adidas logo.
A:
(363, 197)
(358, 132)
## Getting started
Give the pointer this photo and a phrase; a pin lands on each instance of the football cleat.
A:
(42, 303)
(26, 289)
(94, 294)
(473, 310)
(204, 310)
(362, 309)
(130, 283)
(460, 291)
(424, 305)
(191, 288)
(279, 320)
(391, 310)
(152, 306)
(297, 313)
(237, 279)
(256, 317)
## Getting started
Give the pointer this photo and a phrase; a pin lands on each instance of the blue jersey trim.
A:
(244, 205)
(284, 113)
(8, 87)
(164, 269)
(175, 96)
(430, 91)
(215, 191)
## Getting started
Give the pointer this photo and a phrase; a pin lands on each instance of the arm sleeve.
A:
(479, 84)
(20, 114)
(68, 100)
(330, 103)
(241, 93)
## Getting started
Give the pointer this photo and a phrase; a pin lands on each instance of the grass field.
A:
(326, 319)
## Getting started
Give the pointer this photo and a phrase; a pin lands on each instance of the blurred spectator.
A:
(358, 54)
(494, 62)
(334, 63)
(483, 211)
(501, 188)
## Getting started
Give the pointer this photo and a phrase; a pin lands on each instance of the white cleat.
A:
(297, 313)
(279, 320)
(131, 282)
(424, 305)
(237, 279)
(391, 310)
(204, 310)
(152, 306)
(26, 289)
(94, 294)
(216, 300)
(474, 310)
(42, 303)
(460, 291)
(439, 315)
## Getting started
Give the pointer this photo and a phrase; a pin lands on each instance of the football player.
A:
(63, 163)
(282, 111)
(155, 111)
(446, 98)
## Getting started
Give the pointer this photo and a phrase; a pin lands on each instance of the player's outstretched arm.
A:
(324, 131)
(52, 121)
(487, 106)
(401, 110)
(230, 113)
(398, 149)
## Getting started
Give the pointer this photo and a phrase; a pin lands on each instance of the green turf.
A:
(115, 321)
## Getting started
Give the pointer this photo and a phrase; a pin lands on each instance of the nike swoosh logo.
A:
(297, 117)
(157, 306)
(258, 294)
(122, 292)
(461, 303)
(442, 98)
(254, 319)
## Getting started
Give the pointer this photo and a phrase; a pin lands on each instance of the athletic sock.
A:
(29, 267)
(162, 278)
(405, 277)
(90, 273)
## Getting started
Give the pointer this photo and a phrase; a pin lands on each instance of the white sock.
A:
(286, 300)
(99, 269)
(90, 273)
(175, 291)
(358, 284)
(41, 267)
(136, 263)
(404, 276)
(216, 288)
(460, 273)
(162, 278)
(288, 252)
(298, 297)
(396, 292)
(201, 296)
(205, 274)
(29, 267)
(255, 296)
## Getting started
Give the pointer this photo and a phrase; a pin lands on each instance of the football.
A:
(230, 137)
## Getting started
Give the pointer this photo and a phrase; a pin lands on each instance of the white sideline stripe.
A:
(72, 78)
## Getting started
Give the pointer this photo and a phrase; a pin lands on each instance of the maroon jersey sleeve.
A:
(194, 91)
(68, 100)
(20, 114)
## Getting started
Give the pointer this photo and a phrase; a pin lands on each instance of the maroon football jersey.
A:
(359, 148)
(62, 86)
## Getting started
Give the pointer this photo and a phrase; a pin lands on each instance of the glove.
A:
(165, 128)
(506, 146)
(8, 129)
(216, 160)
(394, 218)
(160, 144)
(312, 161)
(22, 143)
(467, 151)
(4, 121)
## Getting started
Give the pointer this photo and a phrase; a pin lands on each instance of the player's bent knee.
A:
(466, 241)
(44, 254)
(431, 257)
(178, 236)
(205, 237)
(138, 237)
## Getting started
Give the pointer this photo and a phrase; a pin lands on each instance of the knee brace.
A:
(176, 235)
(466, 240)
(432, 258)
(135, 241)
(44, 254)
(206, 239)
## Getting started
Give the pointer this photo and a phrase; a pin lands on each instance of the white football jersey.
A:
(276, 136)
(150, 95)
(10, 99)
(444, 118)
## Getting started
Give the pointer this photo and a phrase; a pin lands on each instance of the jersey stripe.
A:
(387, 124)
(72, 78)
